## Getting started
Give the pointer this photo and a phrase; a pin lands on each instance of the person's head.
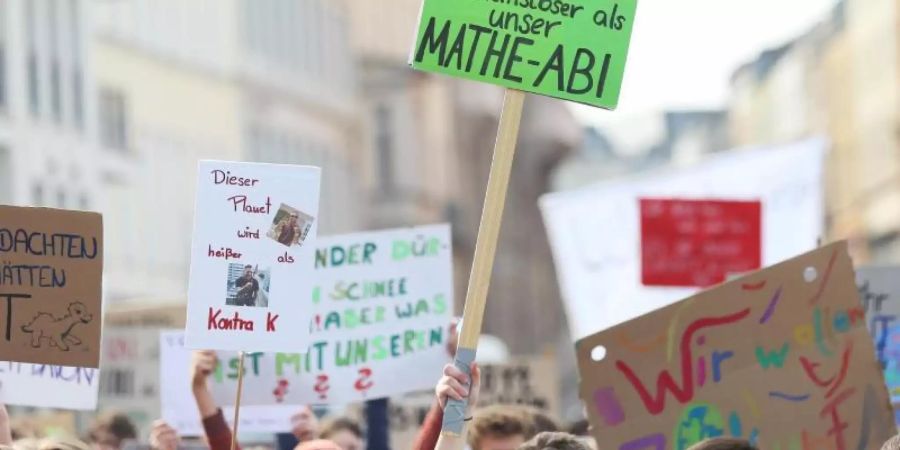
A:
(550, 440)
(582, 428)
(111, 430)
(27, 443)
(543, 422)
(723, 444)
(344, 432)
(501, 427)
(248, 270)
(304, 424)
(892, 443)
(292, 219)
(319, 444)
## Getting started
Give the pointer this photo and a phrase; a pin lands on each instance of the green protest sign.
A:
(569, 49)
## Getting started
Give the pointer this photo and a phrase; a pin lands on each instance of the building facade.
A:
(266, 81)
(824, 83)
(429, 148)
(47, 105)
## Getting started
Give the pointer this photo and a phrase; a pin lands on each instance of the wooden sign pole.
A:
(485, 248)
(237, 401)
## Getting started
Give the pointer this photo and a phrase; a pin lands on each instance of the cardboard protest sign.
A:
(382, 303)
(179, 408)
(595, 232)
(781, 357)
(50, 286)
(570, 49)
(698, 242)
(531, 381)
(49, 386)
(879, 292)
(252, 256)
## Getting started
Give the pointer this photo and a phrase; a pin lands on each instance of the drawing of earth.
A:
(699, 421)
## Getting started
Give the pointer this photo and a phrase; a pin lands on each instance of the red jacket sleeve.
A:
(218, 433)
(431, 429)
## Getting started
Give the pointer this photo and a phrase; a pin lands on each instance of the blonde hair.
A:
(56, 443)
(723, 444)
(501, 421)
(29, 443)
(555, 441)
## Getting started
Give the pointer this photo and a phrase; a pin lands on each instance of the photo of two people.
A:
(290, 226)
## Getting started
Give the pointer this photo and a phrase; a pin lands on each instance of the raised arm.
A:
(455, 384)
(218, 433)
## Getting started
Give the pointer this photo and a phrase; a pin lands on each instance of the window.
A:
(37, 194)
(113, 120)
(34, 89)
(6, 170)
(77, 71)
(315, 44)
(4, 99)
(384, 146)
(55, 76)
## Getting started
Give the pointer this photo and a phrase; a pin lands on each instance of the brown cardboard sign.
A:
(50, 286)
(781, 357)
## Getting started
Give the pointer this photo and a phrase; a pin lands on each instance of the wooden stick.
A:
(485, 249)
(237, 401)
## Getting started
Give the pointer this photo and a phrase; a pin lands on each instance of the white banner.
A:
(382, 303)
(595, 232)
(179, 408)
(47, 386)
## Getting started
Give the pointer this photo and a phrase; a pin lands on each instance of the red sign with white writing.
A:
(698, 243)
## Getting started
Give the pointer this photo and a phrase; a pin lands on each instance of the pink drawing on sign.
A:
(363, 384)
(281, 390)
(322, 386)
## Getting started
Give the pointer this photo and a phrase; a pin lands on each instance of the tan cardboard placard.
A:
(50, 286)
(528, 380)
(781, 357)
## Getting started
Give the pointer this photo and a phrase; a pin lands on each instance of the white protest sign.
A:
(48, 386)
(879, 292)
(179, 409)
(595, 232)
(382, 306)
(252, 256)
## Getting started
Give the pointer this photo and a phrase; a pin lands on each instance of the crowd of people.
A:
(489, 427)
